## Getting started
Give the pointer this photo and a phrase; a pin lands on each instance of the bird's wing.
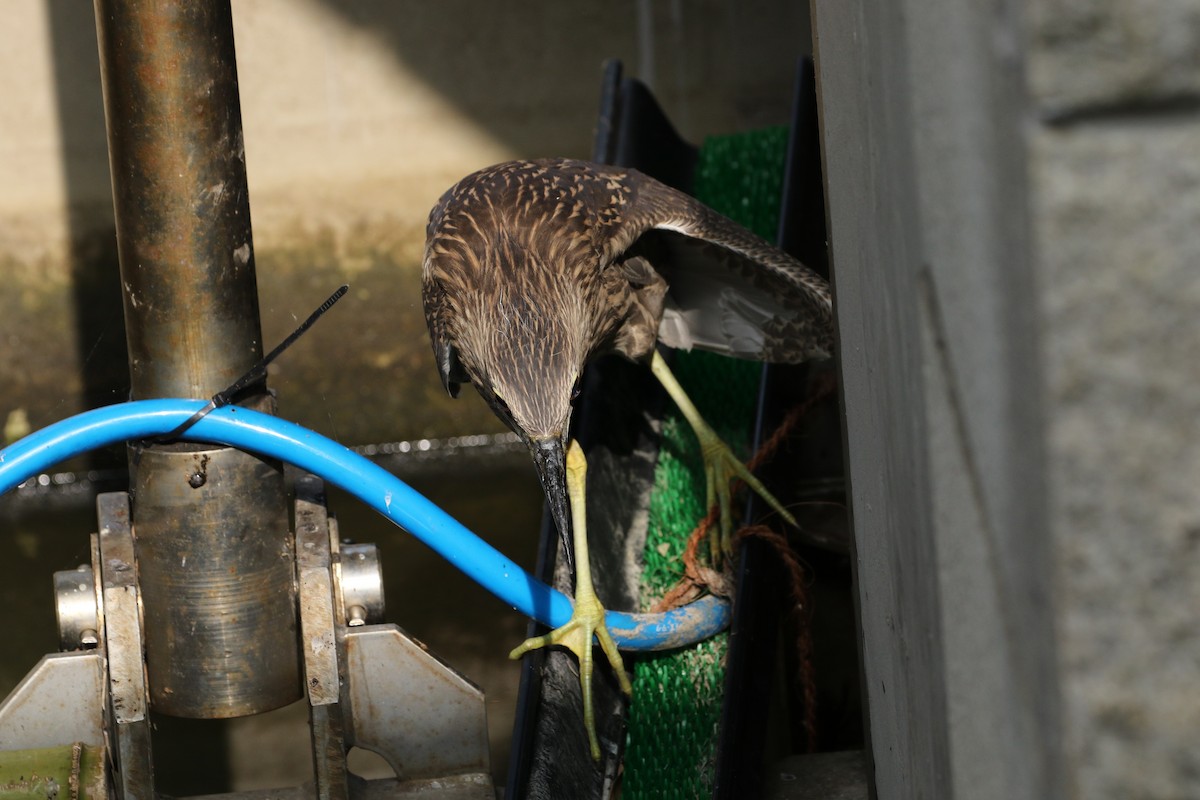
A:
(445, 354)
(730, 291)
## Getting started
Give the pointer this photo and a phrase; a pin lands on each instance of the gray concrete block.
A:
(1119, 210)
(1105, 54)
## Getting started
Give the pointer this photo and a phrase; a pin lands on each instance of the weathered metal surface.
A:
(122, 648)
(179, 191)
(471, 786)
(320, 647)
(59, 702)
(318, 641)
(217, 583)
(76, 609)
(361, 581)
(213, 547)
(328, 727)
(134, 763)
(71, 772)
(122, 617)
(424, 718)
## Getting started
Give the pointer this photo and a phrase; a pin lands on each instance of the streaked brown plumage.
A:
(534, 267)
(557, 231)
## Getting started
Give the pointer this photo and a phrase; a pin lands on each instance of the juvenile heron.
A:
(533, 267)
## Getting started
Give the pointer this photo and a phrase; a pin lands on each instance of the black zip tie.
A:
(255, 373)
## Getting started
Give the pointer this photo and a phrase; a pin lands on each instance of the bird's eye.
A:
(577, 389)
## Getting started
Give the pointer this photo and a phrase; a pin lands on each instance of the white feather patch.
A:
(673, 329)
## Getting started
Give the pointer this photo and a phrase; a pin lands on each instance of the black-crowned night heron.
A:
(534, 267)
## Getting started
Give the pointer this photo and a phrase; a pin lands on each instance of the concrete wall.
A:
(1115, 94)
(1014, 215)
(357, 116)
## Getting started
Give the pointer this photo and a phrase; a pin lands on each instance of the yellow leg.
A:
(720, 464)
(587, 620)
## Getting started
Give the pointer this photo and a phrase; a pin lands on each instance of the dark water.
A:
(496, 496)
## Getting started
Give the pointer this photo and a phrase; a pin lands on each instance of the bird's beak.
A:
(551, 463)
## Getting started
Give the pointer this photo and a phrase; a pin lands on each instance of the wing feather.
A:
(730, 291)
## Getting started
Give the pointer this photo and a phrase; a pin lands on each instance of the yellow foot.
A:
(587, 619)
(721, 466)
(576, 636)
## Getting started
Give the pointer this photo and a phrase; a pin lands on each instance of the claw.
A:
(720, 465)
(587, 619)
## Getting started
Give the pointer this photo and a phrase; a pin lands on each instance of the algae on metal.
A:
(73, 771)
(364, 374)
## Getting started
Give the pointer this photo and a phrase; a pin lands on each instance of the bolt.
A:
(88, 638)
(355, 616)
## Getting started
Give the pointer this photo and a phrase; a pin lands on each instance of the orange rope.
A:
(698, 578)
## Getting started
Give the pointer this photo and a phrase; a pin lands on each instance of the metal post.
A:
(214, 554)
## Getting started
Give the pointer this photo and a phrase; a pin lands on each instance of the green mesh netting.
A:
(676, 705)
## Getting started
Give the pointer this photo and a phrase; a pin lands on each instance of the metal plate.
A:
(423, 717)
(123, 646)
(58, 703)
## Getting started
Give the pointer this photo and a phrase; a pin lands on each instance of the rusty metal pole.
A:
(214, 553)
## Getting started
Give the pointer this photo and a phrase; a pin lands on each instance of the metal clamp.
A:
(372, 686)
(77, 609)
(361, 583)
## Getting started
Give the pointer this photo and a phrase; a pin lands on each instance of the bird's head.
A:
(525, 353)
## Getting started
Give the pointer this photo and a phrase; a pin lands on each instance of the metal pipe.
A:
(213, 548)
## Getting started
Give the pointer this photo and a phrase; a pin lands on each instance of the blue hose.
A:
(393, 498)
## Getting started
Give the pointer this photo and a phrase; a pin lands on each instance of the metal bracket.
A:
(421, 715)
(424, 718)
(56, 705)
(95, 696)
(368, 685)
(319, 641)
(371, 685)
(123, 645)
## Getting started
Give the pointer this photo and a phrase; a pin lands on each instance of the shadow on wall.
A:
(95, 278)
(716, 66)
(528, 76)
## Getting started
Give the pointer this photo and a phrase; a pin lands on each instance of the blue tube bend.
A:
(273, 437)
